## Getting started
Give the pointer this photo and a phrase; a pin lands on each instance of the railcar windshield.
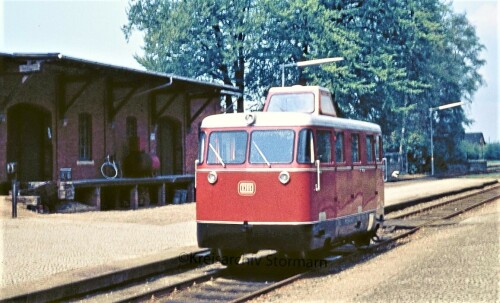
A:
(272, 146)
(227, 147)
(297, 102)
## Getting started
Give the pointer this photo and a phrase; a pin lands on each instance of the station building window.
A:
(84, 137)
(131, 125)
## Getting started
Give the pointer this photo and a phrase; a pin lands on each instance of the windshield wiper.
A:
(217, 155)
(261, 154)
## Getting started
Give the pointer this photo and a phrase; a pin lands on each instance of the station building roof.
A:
(36, 62)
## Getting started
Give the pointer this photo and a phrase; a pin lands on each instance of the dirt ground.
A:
(154, 215)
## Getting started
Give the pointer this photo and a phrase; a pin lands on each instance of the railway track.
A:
(431, 213)
(258, 275)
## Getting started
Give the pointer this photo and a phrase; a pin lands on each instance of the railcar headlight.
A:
(284, 177)
(250, 119)
(212, 177)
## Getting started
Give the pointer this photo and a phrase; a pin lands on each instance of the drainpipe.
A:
(170, 82)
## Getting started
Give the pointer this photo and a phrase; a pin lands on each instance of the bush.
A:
(471, 151)
(492, 151)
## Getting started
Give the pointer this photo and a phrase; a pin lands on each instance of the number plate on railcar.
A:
(246, 188)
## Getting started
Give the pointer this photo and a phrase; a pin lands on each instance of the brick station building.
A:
(59, 113)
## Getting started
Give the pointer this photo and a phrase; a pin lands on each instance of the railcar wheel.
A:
(229, 257)
(363, 240)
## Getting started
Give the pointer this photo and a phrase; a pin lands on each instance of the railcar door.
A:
(379, 176)
(369, 173)
(324, 205)
(343, 175)
(358, 174)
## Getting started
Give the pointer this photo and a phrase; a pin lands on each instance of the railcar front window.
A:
(227, 147)
(271, 146)
(302, 103)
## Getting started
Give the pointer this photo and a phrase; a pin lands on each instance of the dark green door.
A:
(29, 138)
(169, 147)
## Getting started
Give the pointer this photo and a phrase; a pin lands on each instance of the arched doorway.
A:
(29, 142)
(169, 148)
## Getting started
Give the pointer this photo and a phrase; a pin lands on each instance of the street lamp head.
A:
(450, 105)
(313, 62)
(306, 63)
(319, 61)
(446, 106)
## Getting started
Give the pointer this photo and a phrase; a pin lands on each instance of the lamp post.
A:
(431, 111)
(306, 63)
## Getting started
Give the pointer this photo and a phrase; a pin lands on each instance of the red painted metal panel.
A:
(271, 202)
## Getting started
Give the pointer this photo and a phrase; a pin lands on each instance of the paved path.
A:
(402, 192)
(35, 247)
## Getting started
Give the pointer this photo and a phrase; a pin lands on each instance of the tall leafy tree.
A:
(401, 57)
(200, 39)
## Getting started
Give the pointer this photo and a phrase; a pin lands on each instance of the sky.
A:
(91, 30)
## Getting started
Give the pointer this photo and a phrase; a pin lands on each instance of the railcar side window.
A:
(355, 148)
(228, 146)
(305, 148)
(272, 146)
(324, 146)
(378, 148)
(339, 148)
(369, 149)
(301, 102)
(201, 146)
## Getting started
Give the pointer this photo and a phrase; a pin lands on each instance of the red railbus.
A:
(293, 178)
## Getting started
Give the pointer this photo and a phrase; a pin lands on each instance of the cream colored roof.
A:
(287, 119)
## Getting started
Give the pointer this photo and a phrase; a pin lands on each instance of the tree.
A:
(401, 57)
(200, 39)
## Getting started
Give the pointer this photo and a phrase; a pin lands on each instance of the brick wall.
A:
(108, 135)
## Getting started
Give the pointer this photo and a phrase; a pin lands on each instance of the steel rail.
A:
(164, 291)
(448, 216)
(417, 211)
(271, 287)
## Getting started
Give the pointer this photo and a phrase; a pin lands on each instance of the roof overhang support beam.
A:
(114, 104)
(63, 81)
(10, 96)
(200, 110)
(167, 104)
(121, 102)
